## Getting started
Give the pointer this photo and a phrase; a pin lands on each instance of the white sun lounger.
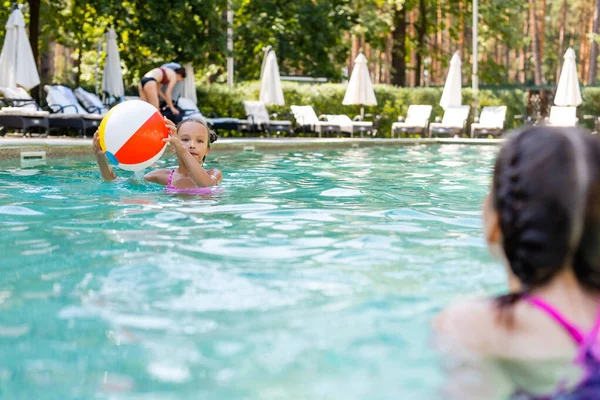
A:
(258, 119)
(349, 126)
(68, 112)
(417, 121)
(491, 122)
(453, 123)
(190, 109)
(20, 111)
(307, 121)
(90, 101)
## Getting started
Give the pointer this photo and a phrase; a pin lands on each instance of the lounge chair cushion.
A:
(90, 101)
(305, 115)
(63, 96)
(418, 116)
(23, 112)
(409, 125)
(189, 107)
(492, 117)
(257, 111)
(455, 116)
(345, 123)
(19, 93)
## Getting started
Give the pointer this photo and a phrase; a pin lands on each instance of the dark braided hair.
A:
(547, 194)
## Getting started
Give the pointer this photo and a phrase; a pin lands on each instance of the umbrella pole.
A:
(99, 49)
(362, 113)
(475, 77)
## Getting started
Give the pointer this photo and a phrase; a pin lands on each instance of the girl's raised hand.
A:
(171, 126)
(96, 146)
(173, 140)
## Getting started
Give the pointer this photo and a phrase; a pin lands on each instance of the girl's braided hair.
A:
(546, 190)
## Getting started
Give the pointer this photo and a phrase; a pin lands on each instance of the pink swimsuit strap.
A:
(577, 334)
(169, 186)
(198, 190)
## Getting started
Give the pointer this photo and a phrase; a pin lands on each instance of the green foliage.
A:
(150, 32)
(311, 37)
(307, 36)
(327, 99)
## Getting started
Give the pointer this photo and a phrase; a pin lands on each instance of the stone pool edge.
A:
(11, 148)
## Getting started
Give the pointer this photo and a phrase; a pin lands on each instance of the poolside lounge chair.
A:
(190, 109)
(90, 101)
(67, 111)
(453, 123)
(563, 116)
(258, 119)
(491, 122)
(20, 111)
(307, 121)
(350, 126)
(416, 122)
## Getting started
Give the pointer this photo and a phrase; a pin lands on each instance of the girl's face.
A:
(194, 137)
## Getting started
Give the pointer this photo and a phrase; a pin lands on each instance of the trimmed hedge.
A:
(392, 101)
(327, 99)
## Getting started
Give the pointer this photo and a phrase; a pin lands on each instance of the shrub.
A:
(327, 98)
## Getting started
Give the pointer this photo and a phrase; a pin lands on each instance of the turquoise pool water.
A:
(313, 275)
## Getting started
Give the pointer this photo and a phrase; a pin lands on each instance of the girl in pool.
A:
(149, 87)
(542, 220)
(190, 140)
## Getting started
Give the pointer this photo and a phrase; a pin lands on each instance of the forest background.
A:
(408, 43)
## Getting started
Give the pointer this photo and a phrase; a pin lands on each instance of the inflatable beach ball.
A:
(131, 135)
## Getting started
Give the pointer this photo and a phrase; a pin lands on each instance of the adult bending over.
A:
(149, 87)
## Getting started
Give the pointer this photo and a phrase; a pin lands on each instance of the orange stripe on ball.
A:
(145, 143)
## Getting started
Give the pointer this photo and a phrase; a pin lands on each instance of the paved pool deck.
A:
(55, 147)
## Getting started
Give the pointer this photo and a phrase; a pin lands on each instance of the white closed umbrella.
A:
(17, 65)
(360, 88)
(452, 94)
(568, 93)
(112, 79)
(189, 84)
(271, 92)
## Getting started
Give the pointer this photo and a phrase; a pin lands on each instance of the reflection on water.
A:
(312, 275)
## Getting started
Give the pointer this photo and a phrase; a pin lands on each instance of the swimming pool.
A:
(313, 275)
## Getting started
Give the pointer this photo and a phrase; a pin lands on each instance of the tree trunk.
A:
(439, 47)
(535, 43)
(34, 28)
(522, 66)
(461, 29)
(389, 43)
(399, 47)
(593, 71)
(542, 28)
(584, 51)
(421, 31)
(561, 38)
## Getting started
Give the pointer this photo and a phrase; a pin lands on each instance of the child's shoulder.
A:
(158, 176)
(471, 324)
